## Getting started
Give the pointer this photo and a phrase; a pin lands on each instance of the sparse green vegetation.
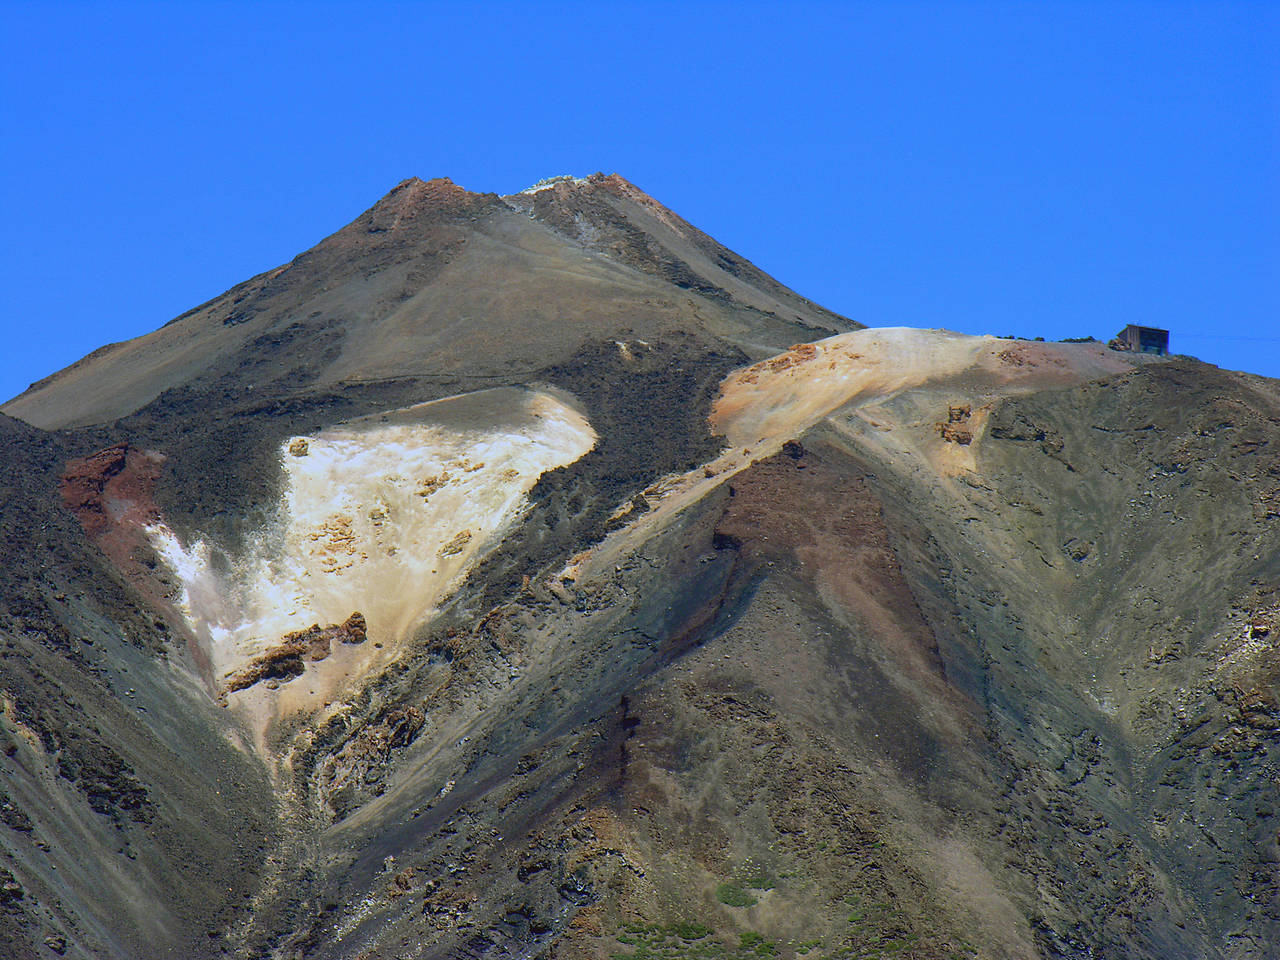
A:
(690, 931)
(689, 941)
(733, 895)
(761, 882)
(754, 943)
(876, 929)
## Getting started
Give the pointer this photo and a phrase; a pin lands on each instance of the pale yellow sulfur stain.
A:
(761, 407)
(779, 398)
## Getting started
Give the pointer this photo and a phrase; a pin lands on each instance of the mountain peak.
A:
(435, 279)
(566, 183)
(499, 550)
(414, 195)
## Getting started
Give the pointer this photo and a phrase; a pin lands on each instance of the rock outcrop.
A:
(692, 620)
(288, 659)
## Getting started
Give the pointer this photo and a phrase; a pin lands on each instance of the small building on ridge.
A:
(1142, 340)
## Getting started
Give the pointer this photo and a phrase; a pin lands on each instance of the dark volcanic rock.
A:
(963, 648)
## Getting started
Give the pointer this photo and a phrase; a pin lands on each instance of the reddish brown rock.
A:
(289, 658)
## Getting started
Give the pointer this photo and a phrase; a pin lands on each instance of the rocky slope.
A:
(532, 576)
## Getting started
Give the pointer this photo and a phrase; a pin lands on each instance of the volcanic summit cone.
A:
(533, 576)
(434, 280)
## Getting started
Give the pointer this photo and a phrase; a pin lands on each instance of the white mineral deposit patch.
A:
(382, 516)
(548, 182)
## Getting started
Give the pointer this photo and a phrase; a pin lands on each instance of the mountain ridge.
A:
(358, 286)
(529, 576)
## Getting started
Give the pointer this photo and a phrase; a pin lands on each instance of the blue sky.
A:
(1039, 169)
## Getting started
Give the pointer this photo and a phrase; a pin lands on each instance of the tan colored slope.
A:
(612, 216)
(381, 517)
(763, 406)
(539, 301)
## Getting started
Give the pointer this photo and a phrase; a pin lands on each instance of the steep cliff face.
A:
(131, 824)
(531, 576)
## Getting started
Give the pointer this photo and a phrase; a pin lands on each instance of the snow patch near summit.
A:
(549, 182)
